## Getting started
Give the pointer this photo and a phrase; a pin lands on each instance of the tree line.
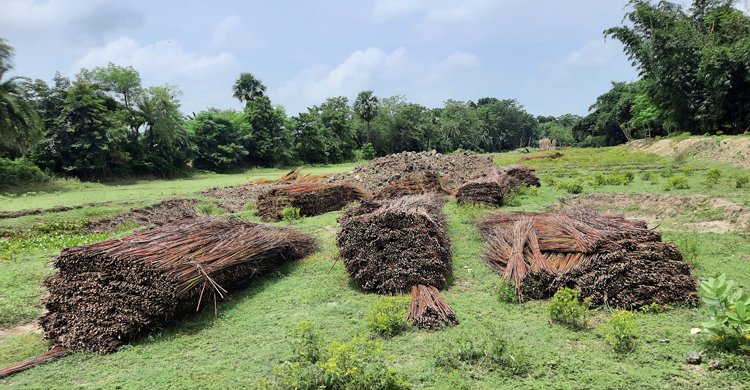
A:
(694, 66)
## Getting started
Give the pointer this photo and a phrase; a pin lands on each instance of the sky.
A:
(550, 55)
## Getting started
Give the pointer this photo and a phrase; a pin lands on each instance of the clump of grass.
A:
(742, 181)
(688, 246)
(481, 351)
(620, 331)
(678, 182)
(570, 186)
(567, 309)
(614, 178)
(209, 208)
(290, 214)
(712, 177)
(667, 172)
(387, 316)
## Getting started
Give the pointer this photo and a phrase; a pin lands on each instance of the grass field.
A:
(249, 335)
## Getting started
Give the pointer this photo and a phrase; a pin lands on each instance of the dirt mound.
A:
(234, 198)
(415, 184)
(612, 260)
(697, 212)
(458, 168)
(310, 198)
(158, 214)
(734, 150)
(106, 294)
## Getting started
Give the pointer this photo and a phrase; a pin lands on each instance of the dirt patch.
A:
(457, 169)
(55, 209)
(697, 212)
(733, 150)
(158, 214)
(21, 329)
(234, 198)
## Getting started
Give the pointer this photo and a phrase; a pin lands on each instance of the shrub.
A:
(571, 186)
(688, 171)
(566, 308)
(620, 331)
(387, 316)
(368, 151)
(290, 214)
(613, 178)
(355, 364)
(712, 177)
(648, 176)
(20, 172)
(506, 291)
(482, 350)
(742, 181)
(678, 182)
(667, 172)
(729, 308)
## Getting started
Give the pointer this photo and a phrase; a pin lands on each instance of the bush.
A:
(742, 181)
(355, 364)
(712, 177)
(667, 172)
(290, 214)
(620, 331)
(729, 308)
(570, 186)
(566, 308)
(678, 182)
(648, 176)
(368, 151)
(387, 316)
(483, 350)
(20, 172)
(506, 291)
(613, 178)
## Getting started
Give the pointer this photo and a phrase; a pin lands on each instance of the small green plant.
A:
(729, 308)
(305, 342)
(678, 182)
(648, 176)
(687, 171)
(387, 316)
(566, 308)
(290, 214)
(570, 186)
(483, 351)
(620, 331)
(667, 172)
(742, 181)
(712, 177)
(688, 246)
(208, 208)
(653, 308)
(506, 291)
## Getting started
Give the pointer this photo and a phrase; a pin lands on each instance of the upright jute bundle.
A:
(492, 188)
(612, 260)
(108, 293)
(310, 198)
(398, 246)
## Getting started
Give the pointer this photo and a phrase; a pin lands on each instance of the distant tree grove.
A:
(694, 66)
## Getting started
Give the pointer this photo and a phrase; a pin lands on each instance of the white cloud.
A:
(593, 53)
(225, 29)
(364, 68)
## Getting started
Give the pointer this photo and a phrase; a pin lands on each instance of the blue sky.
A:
(550, 55)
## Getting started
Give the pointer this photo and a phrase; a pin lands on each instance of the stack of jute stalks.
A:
(496, 185)
(612, 260)
(310, 198)
(108, 293)
(400, 246)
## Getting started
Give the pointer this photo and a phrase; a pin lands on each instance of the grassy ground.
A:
(248, 337)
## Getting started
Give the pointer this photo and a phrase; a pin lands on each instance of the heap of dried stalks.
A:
(612, 260)
(310, 198)
(107, 293)
(391, 246)
(415, 184)
(495, 186)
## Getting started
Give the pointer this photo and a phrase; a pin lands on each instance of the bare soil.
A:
(234, 198)
(158, 214)
(735, 150)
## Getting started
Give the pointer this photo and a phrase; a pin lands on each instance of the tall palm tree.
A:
(20, 125)
(366, 106)
(247, 88)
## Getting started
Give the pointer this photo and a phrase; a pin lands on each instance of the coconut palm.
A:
(247, 88)
(20, 126)
(366, 106)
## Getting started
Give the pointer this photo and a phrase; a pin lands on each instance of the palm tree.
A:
(20, 125)
(366, 106)
(247, 88)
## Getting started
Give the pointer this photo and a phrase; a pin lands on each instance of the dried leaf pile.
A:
(106, 294)
(310, 198)
(391, 246)
(612, 260)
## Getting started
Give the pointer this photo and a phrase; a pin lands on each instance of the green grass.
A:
(249, 335)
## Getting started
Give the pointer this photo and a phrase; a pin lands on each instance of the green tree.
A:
(219, 137)
(310, 143)
(270, 141)
(504, 124)
(366, 106)
(248, 88)
(336, 119)
(20, 125)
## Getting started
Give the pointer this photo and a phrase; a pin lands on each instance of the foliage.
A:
(290, 214)
(613, 178)
(247, 88)
(679, 182)
(620, 331)
(20, 125)
(482, 351)
(566, 308)
(355, 364)
(269, 141)
(20, 171)
(712, 177)
(506, 291)
(366, 107)
(219, 137)
(688, 246)
(729, 308)
(209, 209)
(368, 151)
(387, 316)
(570, 186)
(742, 181)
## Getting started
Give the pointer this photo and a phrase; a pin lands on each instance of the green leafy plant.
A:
(688, 245)
(387, 316)
(506, 291)
(208, 208)
(290, 214)
(678, 182)
(742, 181)
(481, 351)
(566, 308)
(570, 186)
(712, 177)
(653, 308)
(667, 172)
(729, 309)
(620, 331)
